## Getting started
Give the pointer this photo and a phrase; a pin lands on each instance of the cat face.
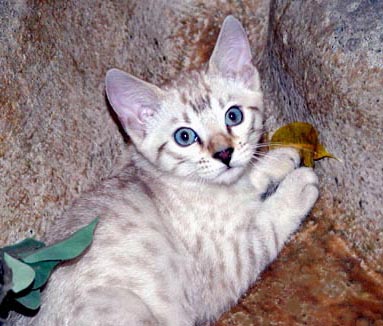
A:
(207, 124)
(205, 129)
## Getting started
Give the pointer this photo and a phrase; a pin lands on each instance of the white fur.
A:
(181, 235)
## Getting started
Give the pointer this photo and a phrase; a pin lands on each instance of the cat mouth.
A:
(229, 174)
(225, 170)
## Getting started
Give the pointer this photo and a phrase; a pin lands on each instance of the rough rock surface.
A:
(322, 64)
(57, 137)
(325, 66)
(317, 280)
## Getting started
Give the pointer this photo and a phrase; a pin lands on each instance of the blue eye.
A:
(185, 136)
(234, 116)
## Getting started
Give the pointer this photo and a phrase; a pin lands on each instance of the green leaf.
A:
(43, 270)
(66, 249)
(31, 300)
(23, 248)
(5, 278)
(22, 274)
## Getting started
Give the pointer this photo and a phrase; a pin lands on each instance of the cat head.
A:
(207, 124)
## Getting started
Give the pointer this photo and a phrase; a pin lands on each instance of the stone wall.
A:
(325, 66)
(320, 61)
(57, 136)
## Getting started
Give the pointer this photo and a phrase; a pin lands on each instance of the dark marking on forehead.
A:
(201, 103)
(255, 108)
(207, 100)
(194, 107)
(174, 120)
(186, 117)
(221, 103)
(183, 98)
(205, 85)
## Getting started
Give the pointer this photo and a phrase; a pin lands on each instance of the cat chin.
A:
(229, 176)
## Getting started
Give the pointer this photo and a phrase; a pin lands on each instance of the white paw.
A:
(286, 153)
(300, 190)
(274, 167)
(282, 161)
(289, 205)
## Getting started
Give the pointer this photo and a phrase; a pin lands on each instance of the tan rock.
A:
(57, 137)
(325, 61)
(322, 64)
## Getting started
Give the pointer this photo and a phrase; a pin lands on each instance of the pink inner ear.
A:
(144, 115)
(132, 99)
(232, 51)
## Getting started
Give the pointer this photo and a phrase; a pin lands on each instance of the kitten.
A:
(186, 227)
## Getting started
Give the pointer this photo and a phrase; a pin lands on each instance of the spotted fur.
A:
(181, 235)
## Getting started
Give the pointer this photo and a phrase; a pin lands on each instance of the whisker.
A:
(194, 175)
(277, 159)
(261, 146)
(262, 156)
(280, 144)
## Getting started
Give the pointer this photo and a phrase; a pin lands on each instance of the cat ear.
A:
(133, 100)
(231, 57)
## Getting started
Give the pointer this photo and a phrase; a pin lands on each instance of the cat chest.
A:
(202, 220)
(204, 208)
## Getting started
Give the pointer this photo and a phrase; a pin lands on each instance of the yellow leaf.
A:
(302, 136)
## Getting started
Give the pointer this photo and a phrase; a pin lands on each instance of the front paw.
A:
(289, 205)
(273, 168)
(281, 162)
(300, 190)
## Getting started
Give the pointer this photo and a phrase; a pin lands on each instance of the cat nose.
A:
(224, 156)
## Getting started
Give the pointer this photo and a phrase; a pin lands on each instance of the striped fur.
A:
(182, 235)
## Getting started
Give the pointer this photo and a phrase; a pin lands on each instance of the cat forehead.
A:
(200, 92)
(191, 87)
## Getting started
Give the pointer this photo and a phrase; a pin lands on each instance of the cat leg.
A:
(110, 306)
(281, 213)
(273, 168)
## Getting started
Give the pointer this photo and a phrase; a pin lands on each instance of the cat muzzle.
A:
(224, 156)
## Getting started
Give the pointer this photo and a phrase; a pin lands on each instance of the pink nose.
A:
(224, 156)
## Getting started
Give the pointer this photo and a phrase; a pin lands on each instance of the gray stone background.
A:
(320, 61)
(324, 64)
